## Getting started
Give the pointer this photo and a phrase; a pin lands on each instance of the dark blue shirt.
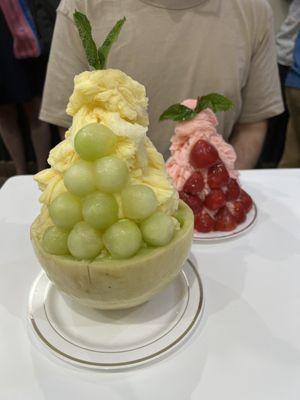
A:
(293, 78)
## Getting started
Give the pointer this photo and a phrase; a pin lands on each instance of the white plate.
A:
(239, 230)
(116, 339)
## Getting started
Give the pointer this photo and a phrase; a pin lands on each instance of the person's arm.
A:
(248, 140)
(261, 95)
(44, 14)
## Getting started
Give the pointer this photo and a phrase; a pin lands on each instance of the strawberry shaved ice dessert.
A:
(202, 168)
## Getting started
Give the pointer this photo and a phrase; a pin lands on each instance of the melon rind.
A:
(118, 284)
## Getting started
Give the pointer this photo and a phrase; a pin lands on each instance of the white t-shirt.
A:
(178, 49)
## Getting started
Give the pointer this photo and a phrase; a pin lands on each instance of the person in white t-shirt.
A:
(178, 49)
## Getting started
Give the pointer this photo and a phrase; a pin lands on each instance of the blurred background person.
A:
(178, 49)
(22, 73)
(44, 15)
(277, 127)
(291, 155)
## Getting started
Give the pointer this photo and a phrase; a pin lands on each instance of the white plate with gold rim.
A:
(113, 340)
(238, 231)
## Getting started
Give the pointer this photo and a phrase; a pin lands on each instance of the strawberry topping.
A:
(215, 199)
(217, 176)
(232, 190)
(194, 184)
(204, 222)
(203, 155)
(238, 211)
(246, 200)
(192, 201)
(225, 221)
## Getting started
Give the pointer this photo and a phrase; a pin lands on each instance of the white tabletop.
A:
(247, 345)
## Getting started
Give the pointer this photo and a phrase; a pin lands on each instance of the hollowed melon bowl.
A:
(119, 284)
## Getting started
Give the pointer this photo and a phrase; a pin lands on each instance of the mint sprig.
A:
(85, 33)
(214, 101)
(109, 41)
(97, 58)
(178, 112)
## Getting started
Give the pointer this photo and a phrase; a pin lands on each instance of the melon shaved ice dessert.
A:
(112, 231)
(202, 166)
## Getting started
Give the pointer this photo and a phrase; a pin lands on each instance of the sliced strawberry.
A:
(246, 200)
(225, 221)
(217, 176)
(192, 201)
(232, 190)
(215, 199)
(238, 211)
(204, 222)
(203, 154)
(194, 184)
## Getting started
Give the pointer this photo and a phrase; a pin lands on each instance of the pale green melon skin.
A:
(118, 284)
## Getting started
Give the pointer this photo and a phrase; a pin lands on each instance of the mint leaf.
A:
(85, 33)
(214, 101)
(178, 112)
(96, 58)
(108, 42)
